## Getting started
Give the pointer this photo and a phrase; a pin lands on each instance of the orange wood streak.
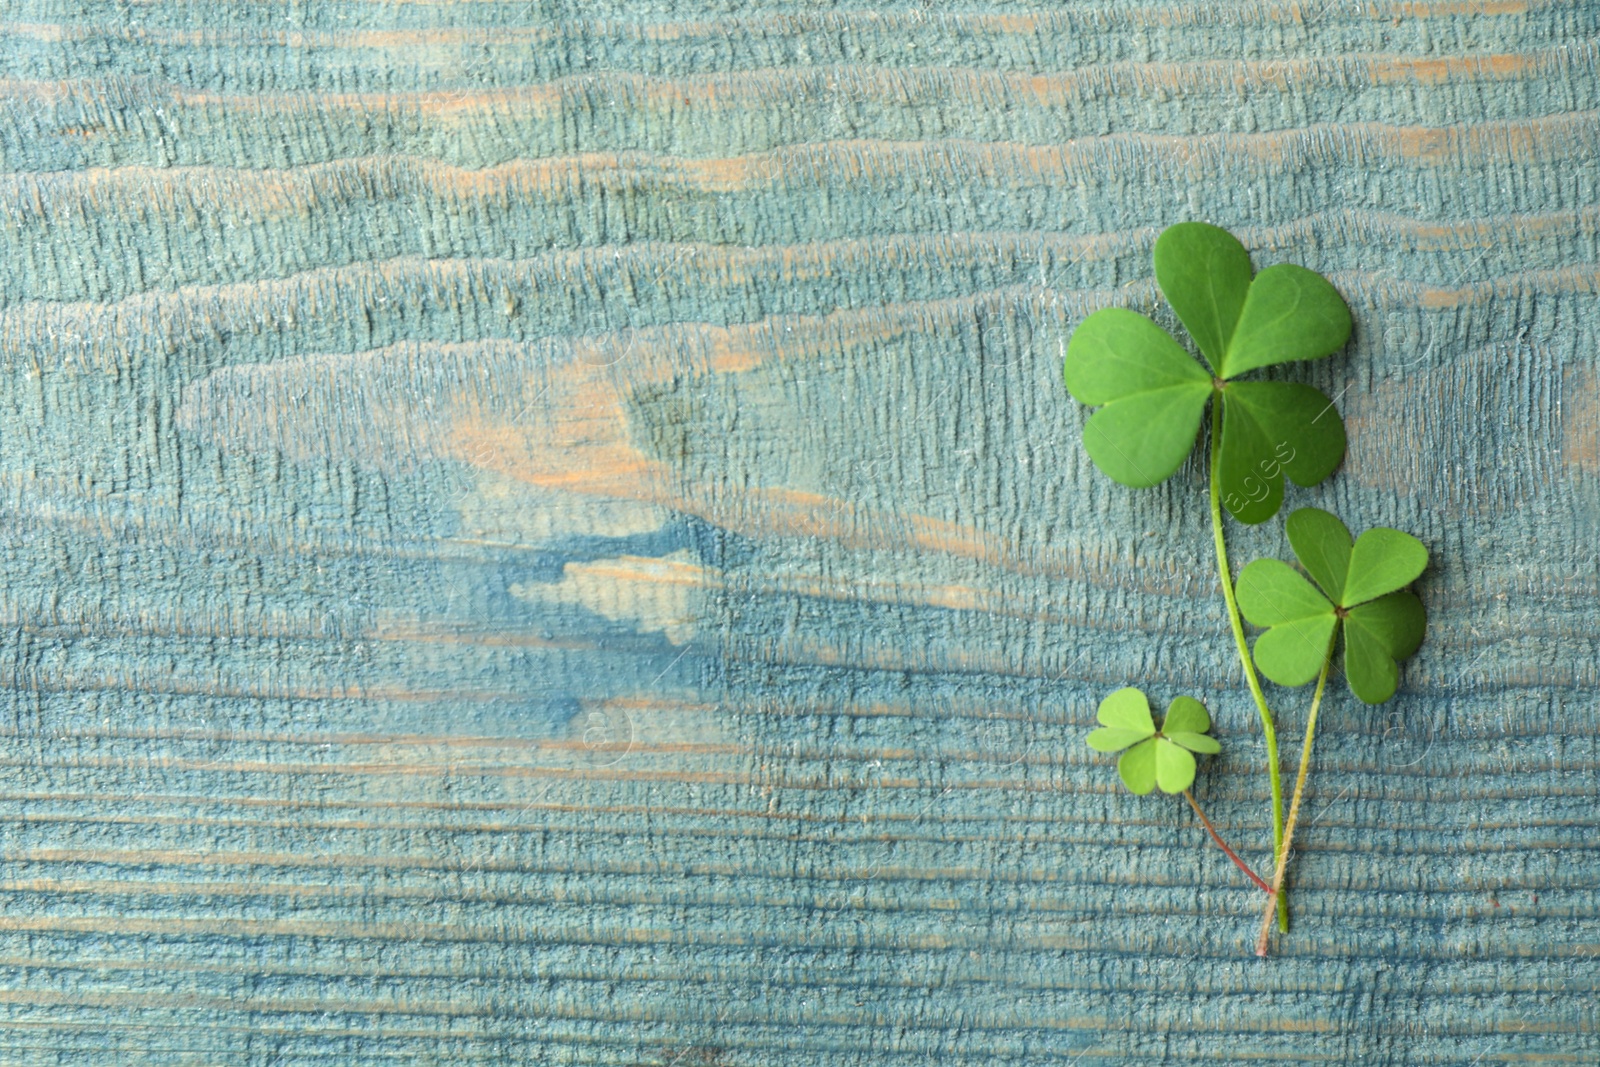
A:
(742, 90)
(870, 653)
(899, 531)
(1424, 9)
(1172, 14)
(307, 188)
(1580, 445)
(641, 705)
(1025, 24)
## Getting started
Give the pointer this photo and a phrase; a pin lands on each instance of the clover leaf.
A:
(1164, 757)
(1361, 587)
(1152, 394)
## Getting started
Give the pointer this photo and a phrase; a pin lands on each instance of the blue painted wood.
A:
(551, 533)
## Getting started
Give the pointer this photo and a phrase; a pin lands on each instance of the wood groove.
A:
(916, 84)
(810, 782)
(294, 191)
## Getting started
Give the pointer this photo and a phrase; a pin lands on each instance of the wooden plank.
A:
(553, 533)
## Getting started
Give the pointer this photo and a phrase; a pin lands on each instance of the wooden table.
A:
(541, 532)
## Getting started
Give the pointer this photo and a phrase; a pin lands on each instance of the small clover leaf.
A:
(1125, 720)
(1361, 588)
(1152, 394)
(1152, 758)
(1187, 724)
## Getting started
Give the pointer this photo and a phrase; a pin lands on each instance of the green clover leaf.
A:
(1361, 588)
(1152, 758)
(1152, 394)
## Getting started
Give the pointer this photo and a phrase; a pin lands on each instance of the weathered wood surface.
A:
(551, 533)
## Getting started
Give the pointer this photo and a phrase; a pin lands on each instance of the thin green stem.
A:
(1232, 855)
(1294, 803)
(1268, 732)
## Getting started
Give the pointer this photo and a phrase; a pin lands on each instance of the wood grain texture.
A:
(552, 533)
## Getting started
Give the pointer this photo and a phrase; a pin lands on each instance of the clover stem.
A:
(1268, 732)
(1294, 803)
(1232, 855)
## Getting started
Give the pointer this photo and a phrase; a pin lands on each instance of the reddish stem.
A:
(1232, 855)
